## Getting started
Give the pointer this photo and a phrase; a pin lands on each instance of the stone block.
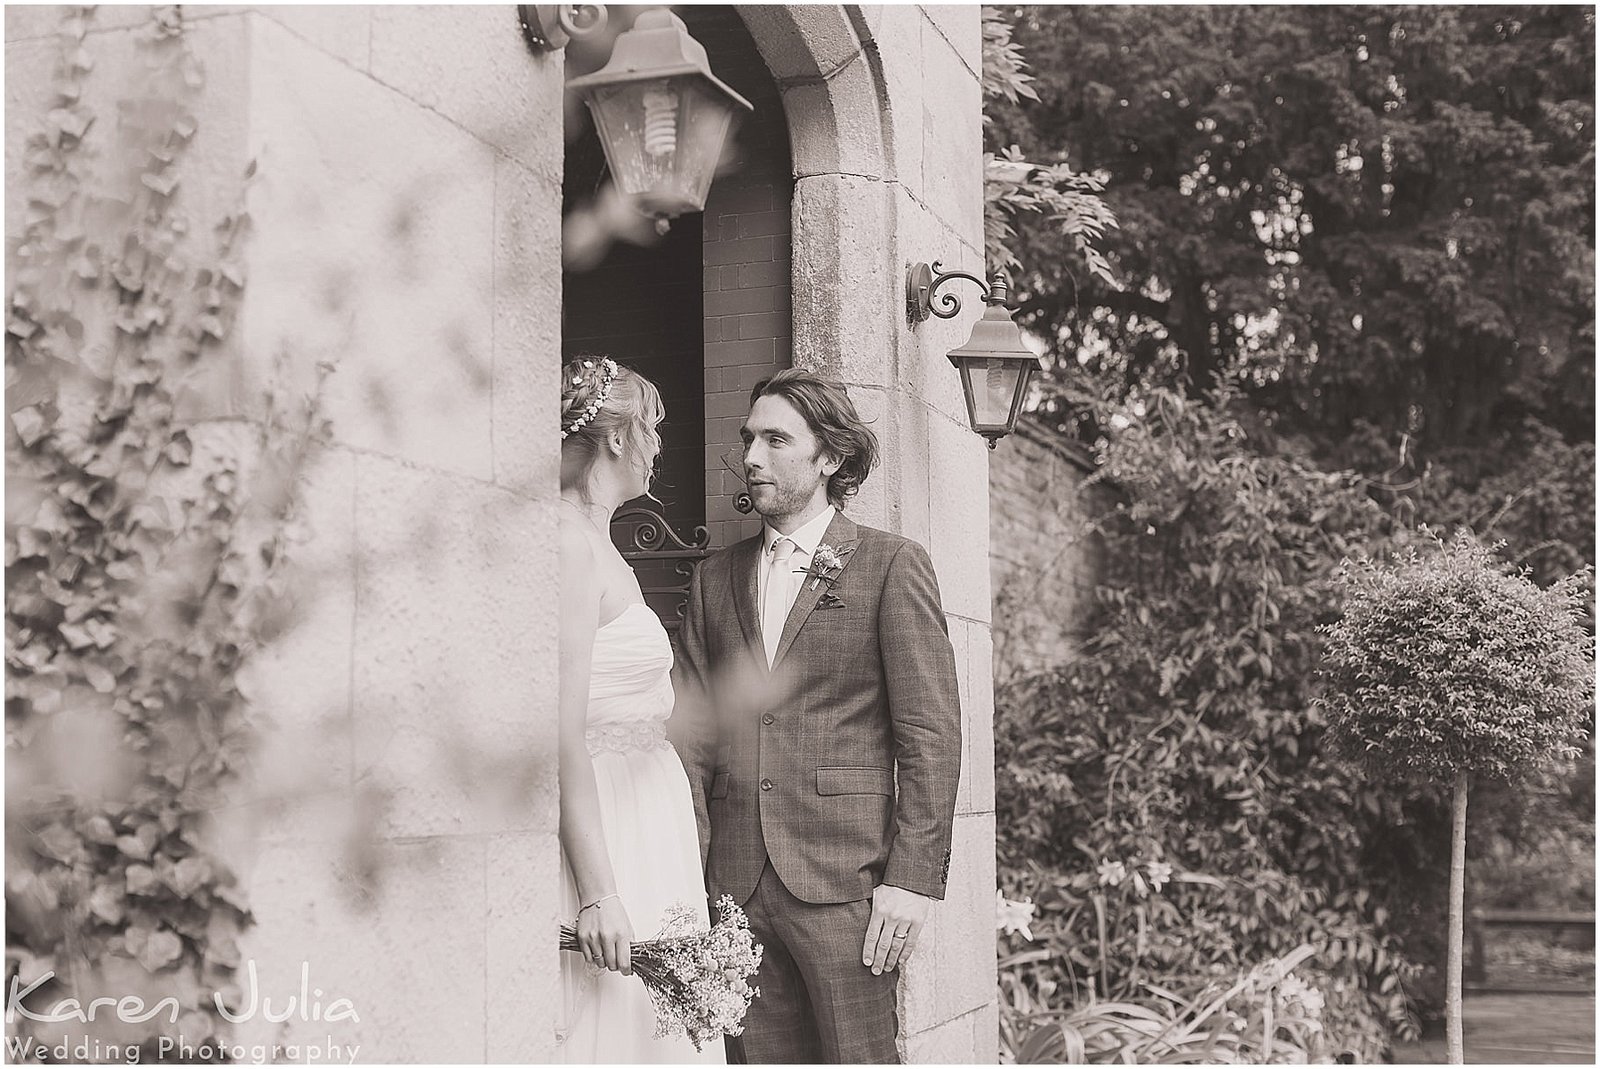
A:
(959, 542)
(30, 59)
(836, 127)
(526, 394)
(965, 957)
(38, 21)
(979, 720)
(25, 22)
(960, 630)
(471, 64)
(845, 308)
(454, 703)
(874, 503)
(960, 27)
(397, 929)
(920, 977)
(344, 31)
(800, 41)
(914, 482)
(299, 785)
(899, 43)
(924, 368)
(371, 255)
(210, 169)
(522, 976)
(952, 124)
(986, 1034)
(948, 1043)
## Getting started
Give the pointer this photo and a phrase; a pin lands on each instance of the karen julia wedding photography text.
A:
(306, 1005)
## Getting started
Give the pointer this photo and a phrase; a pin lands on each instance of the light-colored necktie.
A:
(775, 607)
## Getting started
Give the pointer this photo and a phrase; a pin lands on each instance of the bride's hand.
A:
(606, 935)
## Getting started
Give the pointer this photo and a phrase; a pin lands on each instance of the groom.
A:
(822, 733)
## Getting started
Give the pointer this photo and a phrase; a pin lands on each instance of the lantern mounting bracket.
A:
(922, 291)
(548, 27)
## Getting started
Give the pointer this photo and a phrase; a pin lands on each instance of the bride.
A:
(629, 846)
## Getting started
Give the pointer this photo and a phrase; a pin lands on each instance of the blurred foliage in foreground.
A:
(144, 559)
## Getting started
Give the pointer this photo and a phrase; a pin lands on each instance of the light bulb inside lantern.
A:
(660, 120)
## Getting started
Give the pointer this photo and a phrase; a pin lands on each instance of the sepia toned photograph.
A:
(800, 534)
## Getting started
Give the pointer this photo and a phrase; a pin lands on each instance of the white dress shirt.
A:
(805, 539)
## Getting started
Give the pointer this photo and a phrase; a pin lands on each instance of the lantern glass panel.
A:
(991, 390)
(663, 139)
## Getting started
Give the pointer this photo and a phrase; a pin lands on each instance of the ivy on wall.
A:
(145, 554)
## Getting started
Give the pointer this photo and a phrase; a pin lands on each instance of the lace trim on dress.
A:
(621, 738)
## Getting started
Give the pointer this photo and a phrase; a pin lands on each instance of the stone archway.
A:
(825, 62)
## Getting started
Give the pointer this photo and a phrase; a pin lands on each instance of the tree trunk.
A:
(1454, 1052)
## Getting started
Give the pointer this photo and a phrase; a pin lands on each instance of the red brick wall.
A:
(642, 306)
(745, 254)
(1042, 567)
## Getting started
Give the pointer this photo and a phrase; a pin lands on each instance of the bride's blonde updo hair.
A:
(599, 396)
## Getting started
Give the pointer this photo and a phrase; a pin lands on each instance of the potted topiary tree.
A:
(1450, 665)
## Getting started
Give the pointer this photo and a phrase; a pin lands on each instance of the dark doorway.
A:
(640, 304)
(702, 311)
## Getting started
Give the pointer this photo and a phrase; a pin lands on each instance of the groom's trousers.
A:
(818, 1003)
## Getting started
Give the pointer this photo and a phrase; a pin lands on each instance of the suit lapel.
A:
(841, 535)
(745, 558)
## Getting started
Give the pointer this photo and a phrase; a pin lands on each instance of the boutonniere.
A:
(826, 564)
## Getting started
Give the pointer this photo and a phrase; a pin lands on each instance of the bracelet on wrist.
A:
(599, 900)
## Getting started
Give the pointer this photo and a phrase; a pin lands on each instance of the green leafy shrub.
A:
(1449, 661)
(1183, 741)
(1268, 1015)
(1446, 666)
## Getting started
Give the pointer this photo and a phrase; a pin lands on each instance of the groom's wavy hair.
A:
(832, 417)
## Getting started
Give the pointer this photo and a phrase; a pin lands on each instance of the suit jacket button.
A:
(766, 785)
(768, 718)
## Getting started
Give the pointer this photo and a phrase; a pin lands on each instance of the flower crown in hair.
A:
(608, 375)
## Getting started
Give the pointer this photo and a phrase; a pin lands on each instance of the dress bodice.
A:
(630, 678)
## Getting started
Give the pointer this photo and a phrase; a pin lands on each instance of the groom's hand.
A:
(897, 918)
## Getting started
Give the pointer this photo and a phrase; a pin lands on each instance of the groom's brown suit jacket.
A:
(800, 763)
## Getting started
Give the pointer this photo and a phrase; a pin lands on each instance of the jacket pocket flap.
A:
(719, 784)
(855, 781)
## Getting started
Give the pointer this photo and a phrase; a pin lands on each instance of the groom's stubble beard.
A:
(776, 501)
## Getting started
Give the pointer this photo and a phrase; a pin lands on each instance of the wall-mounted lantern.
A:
(661, 115)
(994, 364)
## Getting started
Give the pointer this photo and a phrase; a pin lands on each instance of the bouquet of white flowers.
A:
(697, 976)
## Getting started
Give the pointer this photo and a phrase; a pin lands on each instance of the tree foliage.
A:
(1377, 225)
(1387, 213)
(1066, 200)
(1448, 662)
(1167, 797)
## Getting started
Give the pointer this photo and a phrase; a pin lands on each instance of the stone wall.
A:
(1043, 565)
(397, 839)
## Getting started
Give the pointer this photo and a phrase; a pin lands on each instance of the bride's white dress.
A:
(648, 817)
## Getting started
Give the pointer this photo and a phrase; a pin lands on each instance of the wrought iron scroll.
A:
(664, 560)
